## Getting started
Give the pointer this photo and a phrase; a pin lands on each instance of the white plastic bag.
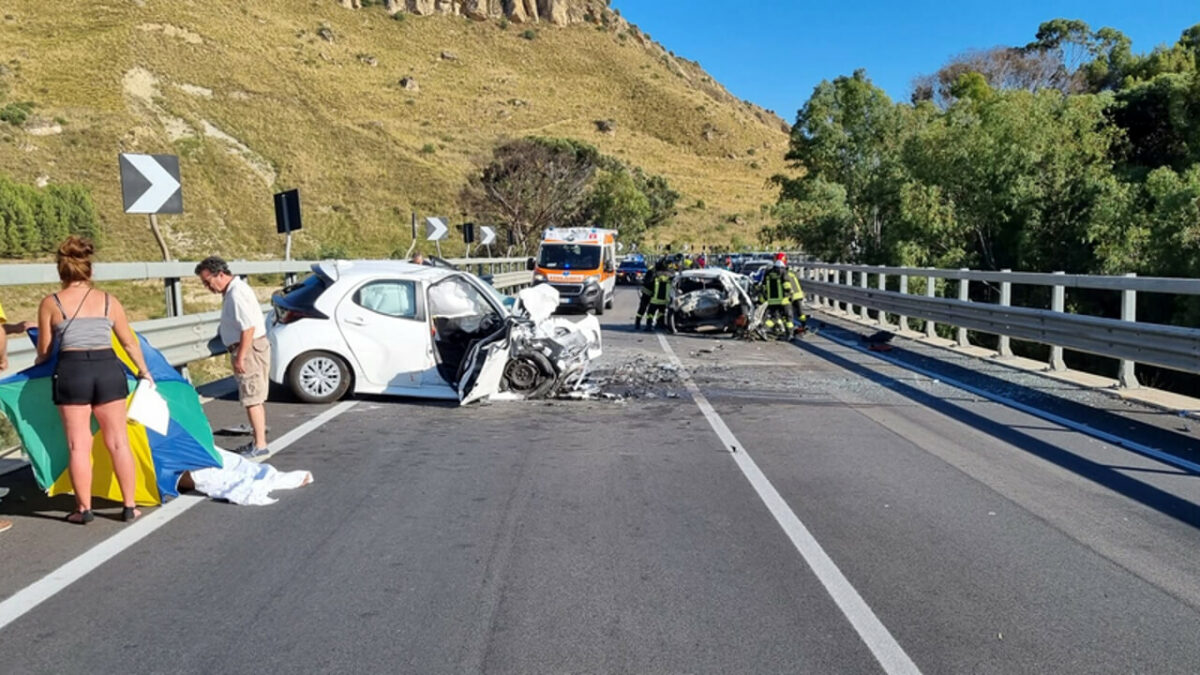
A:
(149, 408)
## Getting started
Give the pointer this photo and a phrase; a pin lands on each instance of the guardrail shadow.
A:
(1108, 476)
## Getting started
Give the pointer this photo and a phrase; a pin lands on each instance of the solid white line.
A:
(48, 586)
(1139, 448)
(874, 634)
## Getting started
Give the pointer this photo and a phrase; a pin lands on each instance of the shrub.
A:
(428, 149)
(36, 221)
(16, 113)
(503, 23)
(529, 34)
(399, 16)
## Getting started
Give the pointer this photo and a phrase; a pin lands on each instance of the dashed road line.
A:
(874, 634)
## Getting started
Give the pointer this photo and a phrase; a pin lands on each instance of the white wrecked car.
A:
(711, 299)
(390, 327)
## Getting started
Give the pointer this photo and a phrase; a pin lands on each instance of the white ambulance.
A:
(581, 264)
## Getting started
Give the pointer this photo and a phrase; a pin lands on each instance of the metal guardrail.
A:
(183, 338)
(1125, 339)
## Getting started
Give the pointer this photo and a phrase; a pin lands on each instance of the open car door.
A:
(482, 371)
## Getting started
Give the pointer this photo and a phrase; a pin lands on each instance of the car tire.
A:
(319, 377)
(599, 309)
(608, 305)
(528, 373)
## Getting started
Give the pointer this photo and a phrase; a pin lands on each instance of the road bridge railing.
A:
(183, 338)
(849, 288)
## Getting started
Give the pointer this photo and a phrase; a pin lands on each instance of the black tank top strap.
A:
(59, 303)
(106, 304)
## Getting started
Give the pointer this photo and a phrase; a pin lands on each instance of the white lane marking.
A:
(874, 634)
(48, 586)
(1139, 448)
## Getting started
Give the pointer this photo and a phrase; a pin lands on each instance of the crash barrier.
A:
(849, 287)
(183, 338)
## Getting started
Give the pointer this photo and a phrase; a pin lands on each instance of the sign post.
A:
(287, 217)
(468, 230)
(151, 184)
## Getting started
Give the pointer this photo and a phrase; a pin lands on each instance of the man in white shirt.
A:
(244, 332)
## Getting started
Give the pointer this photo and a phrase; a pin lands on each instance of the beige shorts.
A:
(253, 384)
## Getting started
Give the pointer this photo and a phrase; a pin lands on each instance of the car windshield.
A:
(632, 264)
(569, 256)
(505, 301)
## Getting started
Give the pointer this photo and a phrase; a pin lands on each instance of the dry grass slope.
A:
(265, 96)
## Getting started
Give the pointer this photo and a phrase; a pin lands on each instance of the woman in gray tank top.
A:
(77, 323)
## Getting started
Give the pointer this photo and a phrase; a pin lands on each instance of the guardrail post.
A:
(1058, 302)
(841, 305)
(881, 284)
(903, 320)
(964, 294)
(173, 288)
(930, 291)
(1126, 375)
(1005, 347)
(862, 283)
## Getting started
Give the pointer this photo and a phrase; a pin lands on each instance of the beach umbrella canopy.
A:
(160, 458)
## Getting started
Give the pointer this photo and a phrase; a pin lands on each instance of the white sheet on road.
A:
(244, 482)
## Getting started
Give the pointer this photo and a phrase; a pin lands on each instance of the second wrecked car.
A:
(389, 327)
(710, 299)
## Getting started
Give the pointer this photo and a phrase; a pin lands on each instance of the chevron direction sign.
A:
(151, 183)
(435, 228)
(488, 235)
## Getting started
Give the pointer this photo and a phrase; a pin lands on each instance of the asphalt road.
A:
(626, 536)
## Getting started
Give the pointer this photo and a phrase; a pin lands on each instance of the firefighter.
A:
(660, 297)
(801, 319)
(646, 292)
(776, 291)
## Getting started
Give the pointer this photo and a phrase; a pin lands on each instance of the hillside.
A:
(266, 96)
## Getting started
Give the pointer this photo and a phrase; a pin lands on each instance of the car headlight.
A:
(594, 279)
(539, 277)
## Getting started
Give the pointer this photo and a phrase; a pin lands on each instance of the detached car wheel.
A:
(319, 377)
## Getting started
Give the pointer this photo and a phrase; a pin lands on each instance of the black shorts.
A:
(92, 376)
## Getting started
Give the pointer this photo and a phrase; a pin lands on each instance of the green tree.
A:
(531, 184)
(849, 133)
(17, 223)
(616, 202)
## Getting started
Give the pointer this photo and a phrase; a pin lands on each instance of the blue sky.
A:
(773, 52)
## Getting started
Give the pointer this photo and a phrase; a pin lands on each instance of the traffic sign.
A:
(435, 228)
(287, 211)
(150, 183)
(489, 235)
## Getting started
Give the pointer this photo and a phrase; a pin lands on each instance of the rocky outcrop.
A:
(558, 12)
